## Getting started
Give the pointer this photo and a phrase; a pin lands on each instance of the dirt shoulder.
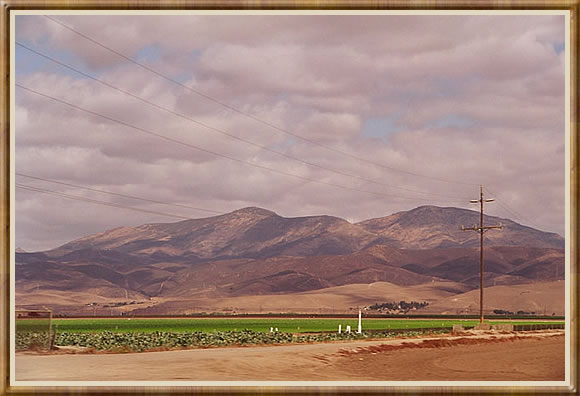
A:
(537, 356)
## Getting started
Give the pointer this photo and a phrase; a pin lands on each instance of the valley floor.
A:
(537, 356)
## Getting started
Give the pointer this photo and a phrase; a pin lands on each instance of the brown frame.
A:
(5, 205)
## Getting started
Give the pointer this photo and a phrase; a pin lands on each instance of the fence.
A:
(543, 326)
(34, 329)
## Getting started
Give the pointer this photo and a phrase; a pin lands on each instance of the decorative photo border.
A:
(7, 201)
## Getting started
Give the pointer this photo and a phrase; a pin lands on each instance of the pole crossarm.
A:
(480, 229)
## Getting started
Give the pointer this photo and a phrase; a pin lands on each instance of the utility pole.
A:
(481, 229)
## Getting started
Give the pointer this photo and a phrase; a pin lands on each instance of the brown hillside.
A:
(433, 227)
(541, 298)
(339, 299)
(253, 252)
(249, 232)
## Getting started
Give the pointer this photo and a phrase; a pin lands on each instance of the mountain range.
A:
(255, 252)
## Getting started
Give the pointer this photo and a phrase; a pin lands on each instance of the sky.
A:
(355, 116)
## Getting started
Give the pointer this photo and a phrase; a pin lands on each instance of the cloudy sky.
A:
(352, 116)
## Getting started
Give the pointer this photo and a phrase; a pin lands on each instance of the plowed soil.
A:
(536, 356)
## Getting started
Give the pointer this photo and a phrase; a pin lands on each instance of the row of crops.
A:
(147, 334)
(287, 325)
(143, 341)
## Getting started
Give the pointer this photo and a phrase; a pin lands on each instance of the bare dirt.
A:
(481, 356)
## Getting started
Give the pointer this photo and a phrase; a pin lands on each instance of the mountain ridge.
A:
(257, 232)
(254, 251)
(403, 227)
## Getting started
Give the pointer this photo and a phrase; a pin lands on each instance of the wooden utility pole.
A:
(481, 229)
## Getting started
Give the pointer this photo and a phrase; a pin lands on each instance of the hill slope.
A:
(248, 232)
(255, 232)
(253, 252)
(428, 227)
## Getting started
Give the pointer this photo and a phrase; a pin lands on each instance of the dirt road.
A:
(531, 357)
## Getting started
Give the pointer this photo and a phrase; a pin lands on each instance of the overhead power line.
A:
(117, 194)
(148, 132)
(516, 215)
(224, 133)
(248, 115)
(510, 210)
(94, 201)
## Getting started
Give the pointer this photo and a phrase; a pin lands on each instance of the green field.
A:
(211, 325)
(137, 335)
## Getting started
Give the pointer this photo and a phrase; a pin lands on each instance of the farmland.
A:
(287, 325)
(140, 334)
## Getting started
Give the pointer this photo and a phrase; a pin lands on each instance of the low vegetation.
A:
(130, 334)
(397, 308)
(505, 312)
(140, 341)
(288, 325)
(31, 340)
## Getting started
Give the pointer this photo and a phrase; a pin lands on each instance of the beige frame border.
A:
(473, 5)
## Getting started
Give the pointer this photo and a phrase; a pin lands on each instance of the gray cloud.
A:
(476, 99)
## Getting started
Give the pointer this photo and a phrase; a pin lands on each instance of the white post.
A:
(359, 330)
(276, 329)
(348, 329)
(339, 328)
(271, 329)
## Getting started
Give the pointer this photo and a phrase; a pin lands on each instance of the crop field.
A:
(212, 325)
(137, 335)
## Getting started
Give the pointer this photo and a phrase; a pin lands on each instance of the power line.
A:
(216, 130)
(248, 115)
(517, 215)
(94, 201)
(213, 152)
(506, 207)
(117, 194)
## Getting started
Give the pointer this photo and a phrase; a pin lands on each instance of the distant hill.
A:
(443, 298)
(428, 227)
(253, 252)
(255, 232)
(542, 298)
(248, 232)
